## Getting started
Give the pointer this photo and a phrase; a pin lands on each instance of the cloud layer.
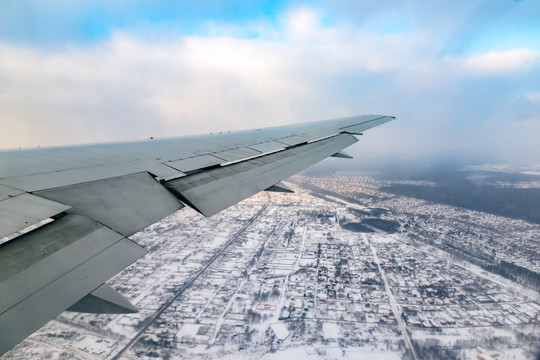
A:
(300, 66)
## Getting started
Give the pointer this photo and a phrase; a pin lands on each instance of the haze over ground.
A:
(462, 77)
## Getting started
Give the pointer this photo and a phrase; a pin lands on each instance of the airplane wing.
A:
(92, 198)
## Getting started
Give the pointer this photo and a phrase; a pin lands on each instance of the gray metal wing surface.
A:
(94, 197)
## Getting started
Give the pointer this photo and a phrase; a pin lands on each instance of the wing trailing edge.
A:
(212, 191)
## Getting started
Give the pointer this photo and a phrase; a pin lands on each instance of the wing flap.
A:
(126, 204)
(25, 263)
(83, 255)
(216, 189)
(20, 211)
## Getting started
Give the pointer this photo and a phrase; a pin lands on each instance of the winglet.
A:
(103, 300)
(280, 187)
(343, 155)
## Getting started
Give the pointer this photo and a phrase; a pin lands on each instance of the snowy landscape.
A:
(337, 270)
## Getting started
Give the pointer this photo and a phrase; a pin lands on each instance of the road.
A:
(393, 304)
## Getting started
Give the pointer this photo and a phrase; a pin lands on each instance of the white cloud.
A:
(130, 87)
(303, 23)
(496, 62)
(533, 96)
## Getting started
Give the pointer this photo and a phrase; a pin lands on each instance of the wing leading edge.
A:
(100, 195)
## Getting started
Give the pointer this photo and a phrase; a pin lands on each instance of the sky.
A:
(462, 77)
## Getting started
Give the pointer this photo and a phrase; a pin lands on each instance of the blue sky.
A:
(462, 77)
(480, 25)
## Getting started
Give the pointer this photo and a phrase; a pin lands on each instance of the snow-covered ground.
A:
(295, 285)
